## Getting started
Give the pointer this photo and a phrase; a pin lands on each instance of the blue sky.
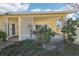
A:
(43, 6)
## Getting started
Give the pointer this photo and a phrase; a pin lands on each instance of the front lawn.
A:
(28, 48)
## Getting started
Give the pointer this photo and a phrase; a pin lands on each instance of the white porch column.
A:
(6, 26)
(19, 28)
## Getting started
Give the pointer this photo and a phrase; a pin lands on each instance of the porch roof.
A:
(40, 14)
(50, 12)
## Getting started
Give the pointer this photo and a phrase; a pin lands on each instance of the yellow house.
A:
(20, 25)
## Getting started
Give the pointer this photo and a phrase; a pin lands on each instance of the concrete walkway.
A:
(3, 44)
(57, 39)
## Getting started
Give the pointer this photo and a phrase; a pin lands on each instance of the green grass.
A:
(28, 48)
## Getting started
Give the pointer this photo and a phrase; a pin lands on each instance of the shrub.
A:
(3, 35)
(69, 30)
(43, 35)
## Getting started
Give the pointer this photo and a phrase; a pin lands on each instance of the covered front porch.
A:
(19, 26)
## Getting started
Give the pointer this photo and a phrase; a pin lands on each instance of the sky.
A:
(45, 6)
(31, 7)
(34, 7)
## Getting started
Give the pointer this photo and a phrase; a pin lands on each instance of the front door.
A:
(13, 29)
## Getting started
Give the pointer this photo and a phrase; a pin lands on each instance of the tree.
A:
(73, 6)
(69, 30)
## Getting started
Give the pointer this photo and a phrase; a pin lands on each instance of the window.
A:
(58, 23)
(40, 26)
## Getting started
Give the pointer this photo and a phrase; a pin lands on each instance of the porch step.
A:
(14, 39)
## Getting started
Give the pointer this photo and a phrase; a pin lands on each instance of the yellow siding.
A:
(49, 21)
(2, 23)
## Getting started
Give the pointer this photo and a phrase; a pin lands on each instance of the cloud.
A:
(47, 10)
(13, 7)
(73, 6)
(36, 10)
(41, 10)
